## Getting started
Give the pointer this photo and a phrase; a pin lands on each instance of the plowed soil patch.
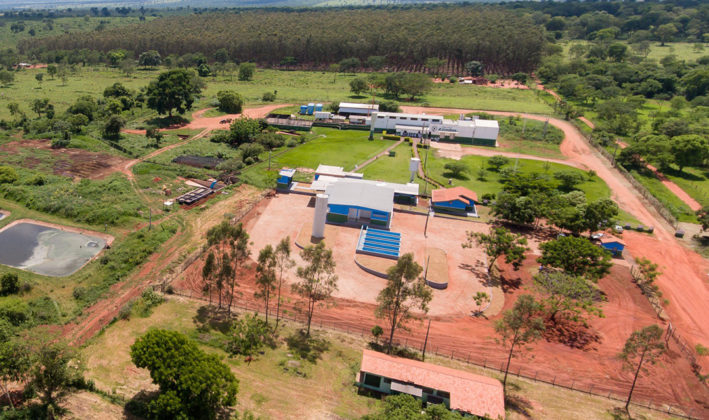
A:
(69, 162)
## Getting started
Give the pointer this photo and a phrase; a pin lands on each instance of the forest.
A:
(505, 41)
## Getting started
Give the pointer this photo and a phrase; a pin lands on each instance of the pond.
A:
(47, 250)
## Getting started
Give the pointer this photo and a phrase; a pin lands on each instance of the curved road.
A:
(685, 273)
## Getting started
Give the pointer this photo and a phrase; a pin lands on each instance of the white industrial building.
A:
(350, 108)
(473, 131)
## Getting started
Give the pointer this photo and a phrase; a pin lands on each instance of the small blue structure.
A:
(303, 109)
(612, 244)
(311, 108)
(456, 200)
(285, 179)
(318, 107)
(380, 243)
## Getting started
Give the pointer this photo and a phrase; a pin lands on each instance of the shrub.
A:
(9, 284)
(125, 311)
(79, 292)
(230, 101)
(291, 143)
(7, 175)
(269, 97)
(453, 79)
(60, 143)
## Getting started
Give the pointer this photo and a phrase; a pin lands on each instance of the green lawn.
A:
(594, 188)
(394, 169)
(345, 148)
(683, 50)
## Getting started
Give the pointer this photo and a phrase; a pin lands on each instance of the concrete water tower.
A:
(320, 216)
(414, 164)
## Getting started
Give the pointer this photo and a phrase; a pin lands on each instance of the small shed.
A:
(349, 108)
(285, 178)
(612, 244)
(464, 392)
(456, 200)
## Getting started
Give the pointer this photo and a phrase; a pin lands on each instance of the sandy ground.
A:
(70, 161)
(456, 151)
(286, 214)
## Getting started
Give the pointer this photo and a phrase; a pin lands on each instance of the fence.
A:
(654, 202)
(495, 364)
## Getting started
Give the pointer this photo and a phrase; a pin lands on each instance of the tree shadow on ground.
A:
(307, 348)
(684, 175)
(619, 413)
(479, 270)
(213, 318)
(461, 176)
(572, 334)
(168, 122)
(518, 404)
(137, 407)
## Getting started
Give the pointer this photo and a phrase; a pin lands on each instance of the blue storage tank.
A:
(303, 109)
(311, 108)
(318, 107)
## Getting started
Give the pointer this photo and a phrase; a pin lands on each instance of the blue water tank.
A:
(318, 107)
(311, 108)
(303, 109)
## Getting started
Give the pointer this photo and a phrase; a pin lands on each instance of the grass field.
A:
(676, 206)
(694, 181)
(394, 169)
(323, 389)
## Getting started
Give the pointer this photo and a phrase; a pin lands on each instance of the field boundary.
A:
(416, 344)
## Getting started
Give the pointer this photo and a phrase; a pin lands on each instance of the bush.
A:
(230, 101)
(453, 79)
(269, 97)
(36, 180)
(9, 284)
(389, 106)
(7, 175)
(291, 143)
(125, 311)
(79, 292)
(60, 143)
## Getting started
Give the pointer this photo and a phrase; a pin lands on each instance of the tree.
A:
(115, 57)
(696, 83)
(208, 272)
(456, 169)
(221, 55)
(407, 407)
(155, 134)
(519, 326)
(230, 101)
(566, 296)
(283, 262)
(6, 77)
(666, 32)
(358, 85)
(243, 130)
(9, 284)
(55, 367)
(497, 162)
(689, 150)
(246, 71)
(15, 364)
(116, 90)
(266, 276)
(434, 65)
(480, 298)
(617, 51)
(250, 152)
(8, 175)
(600, 213)
(192, 384)
(248, 335)
(404, 291)
(317, 279)
(474, 68)
(648, 274)
(576, 256)
(174, 90)
(703, 216)
(40, 105)
(497, 243)
(642, 346)
(149, 59)
(349, 64)
(569, 179)
(377, 332)
(375, 62)
(51, 71)
(112, 127)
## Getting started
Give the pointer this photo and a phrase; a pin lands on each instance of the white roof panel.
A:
(358, 106)
(487, 123)
(361, 194)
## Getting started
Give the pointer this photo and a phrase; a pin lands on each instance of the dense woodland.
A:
(505, 41)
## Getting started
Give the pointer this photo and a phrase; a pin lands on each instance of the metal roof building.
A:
(347, 108)
(357, 202)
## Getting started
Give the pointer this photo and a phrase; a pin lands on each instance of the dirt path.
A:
(686, 274)
(455, 151)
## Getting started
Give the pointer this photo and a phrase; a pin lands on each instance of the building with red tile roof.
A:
(461, 391)
(454, 200)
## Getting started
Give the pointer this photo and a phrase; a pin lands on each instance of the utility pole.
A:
(269, 159)
(425, 342)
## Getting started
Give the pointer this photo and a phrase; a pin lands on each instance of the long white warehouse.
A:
(472, 131)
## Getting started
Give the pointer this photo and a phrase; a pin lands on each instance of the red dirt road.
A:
(686, 274)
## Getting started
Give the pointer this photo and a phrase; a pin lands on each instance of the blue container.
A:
(318, 107)
(311, 108)
(303, 109)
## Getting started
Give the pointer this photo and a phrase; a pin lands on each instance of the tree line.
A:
(506, 42)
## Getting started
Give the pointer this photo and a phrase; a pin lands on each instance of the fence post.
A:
(590, 391)
(468, 359)
(452, 351)
(553, 383)
(535, 376)
(572, 384)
